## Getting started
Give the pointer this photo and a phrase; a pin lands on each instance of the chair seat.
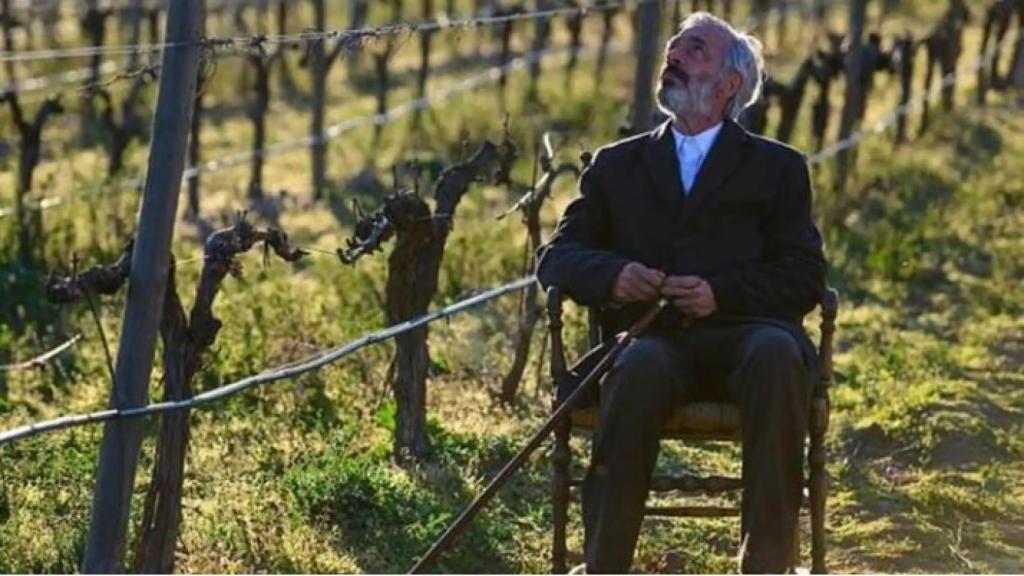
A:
(693, 421)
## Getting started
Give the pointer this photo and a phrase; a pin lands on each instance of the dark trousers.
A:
(760, 367)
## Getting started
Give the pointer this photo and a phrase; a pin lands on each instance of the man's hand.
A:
(637, 283)
(691, 295)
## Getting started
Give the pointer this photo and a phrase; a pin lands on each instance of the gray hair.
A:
(742, 56)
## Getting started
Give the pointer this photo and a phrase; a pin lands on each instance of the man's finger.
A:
(651, 276)
(645, 291)
(683, 307)
(692, 296)
(674, 282)
(690, 281)
(635, 289)
(677, 290)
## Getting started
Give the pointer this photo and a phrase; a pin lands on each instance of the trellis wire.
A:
(59, 79)
(41, 360)
(489, 76)
(350, 35)
(290, 370)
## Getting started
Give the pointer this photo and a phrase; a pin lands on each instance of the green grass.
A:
(927, 435)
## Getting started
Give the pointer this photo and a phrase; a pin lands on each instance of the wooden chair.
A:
(697, 421)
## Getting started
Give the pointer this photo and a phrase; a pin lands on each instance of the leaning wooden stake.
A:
(122, 439)
(560, 414)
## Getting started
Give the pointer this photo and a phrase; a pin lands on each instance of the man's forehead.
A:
(707, 33)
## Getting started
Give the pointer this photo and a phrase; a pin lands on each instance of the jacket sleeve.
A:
(577, 259)
(790, 279)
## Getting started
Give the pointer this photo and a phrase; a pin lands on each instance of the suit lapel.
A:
(663, 166)
(724, 157)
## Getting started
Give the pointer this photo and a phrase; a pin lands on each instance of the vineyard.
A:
(266, 274)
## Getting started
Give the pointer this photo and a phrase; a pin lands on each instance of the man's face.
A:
(691, 76)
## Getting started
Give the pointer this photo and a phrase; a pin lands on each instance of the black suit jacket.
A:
(746, 227)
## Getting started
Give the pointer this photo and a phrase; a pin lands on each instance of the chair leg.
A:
(560, 460)
(818, 483)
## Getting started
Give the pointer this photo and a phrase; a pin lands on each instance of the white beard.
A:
(695, 98)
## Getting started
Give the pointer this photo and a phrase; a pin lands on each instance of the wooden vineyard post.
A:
(196, 129)
(286, 80)
(505, 55)
(541, 38)
(7, 24)
(122, 439)
(997, 23)
(943, 46)
(318, 71)
(134, 13)
(359, 11)
(904, 60)
(607, 30)
(262, 62)
(649, 20)
(854, 94)
(381, 60)
(426, 40)
(94, 28)
(31, 132)
(574, 25)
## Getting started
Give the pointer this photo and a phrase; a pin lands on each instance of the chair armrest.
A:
(829, 311)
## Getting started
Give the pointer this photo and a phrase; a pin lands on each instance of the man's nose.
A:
(674, 56)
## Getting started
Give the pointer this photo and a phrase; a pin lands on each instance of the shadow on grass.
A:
(386, 516)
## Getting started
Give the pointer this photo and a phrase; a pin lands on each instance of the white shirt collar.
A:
(704, 140)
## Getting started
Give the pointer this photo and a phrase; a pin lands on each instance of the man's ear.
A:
(731, 85)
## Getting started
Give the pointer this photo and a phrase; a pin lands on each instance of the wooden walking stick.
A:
(515, 463)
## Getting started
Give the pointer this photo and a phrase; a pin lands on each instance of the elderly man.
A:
(718, 221)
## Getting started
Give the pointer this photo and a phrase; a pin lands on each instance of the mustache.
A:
(668, 73)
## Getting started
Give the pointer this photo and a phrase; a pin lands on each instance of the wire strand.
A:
(352, 36)
(41, 360)
(287, 371)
